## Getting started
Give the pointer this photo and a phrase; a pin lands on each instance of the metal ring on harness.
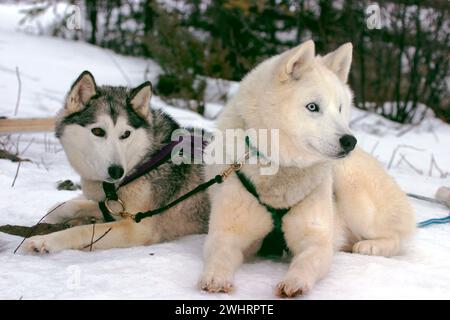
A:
(122, 213)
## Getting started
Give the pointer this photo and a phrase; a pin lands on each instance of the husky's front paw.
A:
(367, 247)
(216, 282)
(293, 286)
(377, 247)
(40, 245)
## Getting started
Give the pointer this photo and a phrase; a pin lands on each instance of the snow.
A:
(170, 270)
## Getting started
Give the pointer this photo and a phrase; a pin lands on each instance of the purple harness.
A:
(197, 144)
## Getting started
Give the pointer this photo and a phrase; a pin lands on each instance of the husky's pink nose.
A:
(348, 142)
(115, 171)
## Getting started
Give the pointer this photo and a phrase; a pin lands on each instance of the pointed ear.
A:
(296, 60)
(83, 89)
(340, 60)
(140, 98)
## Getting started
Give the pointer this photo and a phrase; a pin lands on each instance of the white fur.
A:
(91, 156)
(370, 214)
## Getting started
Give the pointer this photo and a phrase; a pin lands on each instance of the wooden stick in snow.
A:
(27, 125)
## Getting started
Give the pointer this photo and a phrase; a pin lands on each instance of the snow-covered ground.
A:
(48, 66)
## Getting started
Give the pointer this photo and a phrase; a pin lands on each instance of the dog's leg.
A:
(119, 234)
(376, 228)
(370, 238)
(378, 247)
(372, 206)
(308, 229)
(73, 209)
(223, 254)
(237, 222)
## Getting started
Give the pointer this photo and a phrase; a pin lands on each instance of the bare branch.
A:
(28, 145)
(374, 147)
(394, 152)
(410, 165)
(44, 164)
(19, 92)
(434, 163)
(32, 229)
(17, 173)
(98, 239)
(408, 129)
(430, 171)
(17, 144)
(92, 237)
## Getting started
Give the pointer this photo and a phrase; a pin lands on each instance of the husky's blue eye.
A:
(312, 107)
(125, 135)
(99, 132)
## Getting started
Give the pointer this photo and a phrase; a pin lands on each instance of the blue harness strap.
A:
(429, 222)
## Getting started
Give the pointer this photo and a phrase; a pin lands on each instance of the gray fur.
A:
(168, 181)
(108, 100)
(151, 191)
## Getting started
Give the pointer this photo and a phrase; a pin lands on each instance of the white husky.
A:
(340, 198)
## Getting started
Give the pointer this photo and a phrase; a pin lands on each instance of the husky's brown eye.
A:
(125, 135)
(312, 107)
(99, 132)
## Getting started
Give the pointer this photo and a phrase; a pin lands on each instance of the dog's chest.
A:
(288, 186)
(137, 196)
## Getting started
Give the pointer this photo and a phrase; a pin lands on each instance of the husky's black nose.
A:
(348, 142)
(115, 171)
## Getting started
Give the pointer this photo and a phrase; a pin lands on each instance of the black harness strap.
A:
(110, 192)
(153, 163)
(110, 188)
(141, 215)
(274, 244)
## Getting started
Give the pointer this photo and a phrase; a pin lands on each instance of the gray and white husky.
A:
(106, 132)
